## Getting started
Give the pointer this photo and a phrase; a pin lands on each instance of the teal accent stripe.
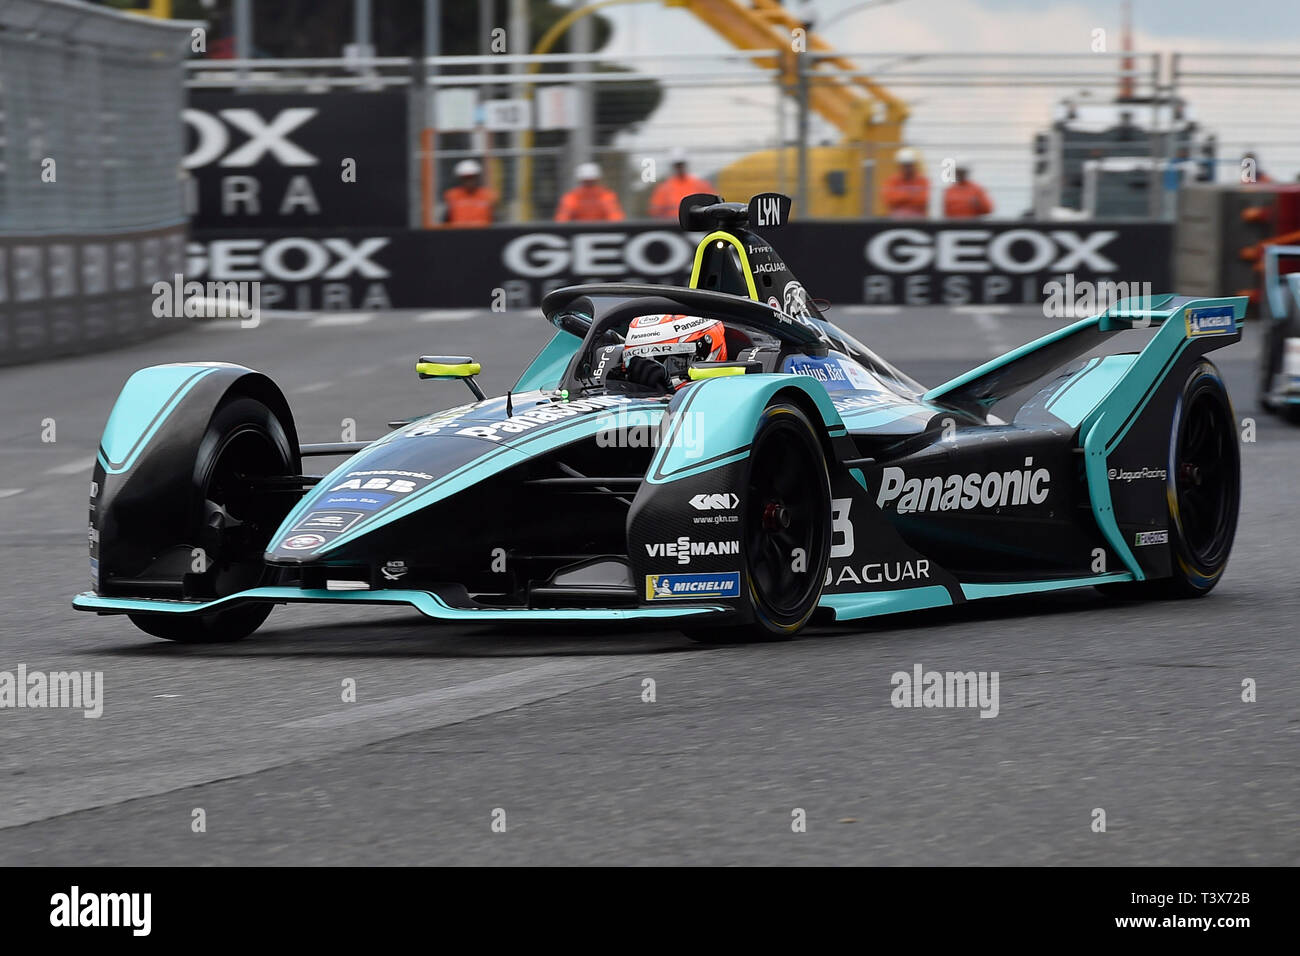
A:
(875, 418)
(1073, 403)
(145, 402)
(709, 465)
(425, 602)
(1065, 386)
(721, 432)
(973, 592)
(847, 607)
(1017, 353)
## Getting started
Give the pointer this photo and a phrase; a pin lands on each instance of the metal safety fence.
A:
(91, 210)
(1049, 135)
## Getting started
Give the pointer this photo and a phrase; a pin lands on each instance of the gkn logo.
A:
(715, 502)
(683, 549)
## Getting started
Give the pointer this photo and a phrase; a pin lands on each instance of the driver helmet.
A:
(676, 340)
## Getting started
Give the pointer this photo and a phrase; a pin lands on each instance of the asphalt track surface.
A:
(1134, 708)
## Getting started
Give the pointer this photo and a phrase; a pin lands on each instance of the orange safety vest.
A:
(966, 201)
(668, 195)
(907, 197)
(589, 204)
(469, 207)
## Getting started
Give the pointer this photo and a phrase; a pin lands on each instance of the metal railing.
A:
(89, 100)
(986, 108)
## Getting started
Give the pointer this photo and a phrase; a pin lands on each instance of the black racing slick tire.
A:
(1204, 490)
(231, 521)
(785, 529)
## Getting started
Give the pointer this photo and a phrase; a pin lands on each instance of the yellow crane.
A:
(870, 118)
(843, 179)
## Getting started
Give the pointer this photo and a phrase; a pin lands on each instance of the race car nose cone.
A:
(775, 517)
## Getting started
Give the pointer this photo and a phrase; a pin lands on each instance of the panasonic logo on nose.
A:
(963, 492)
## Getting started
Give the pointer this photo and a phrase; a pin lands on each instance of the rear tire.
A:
(1204, 482)
(786, 505)
(231, 521)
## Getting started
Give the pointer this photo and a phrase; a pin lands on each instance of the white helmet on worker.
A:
(468, 167)
(587, 172)
(905, 155)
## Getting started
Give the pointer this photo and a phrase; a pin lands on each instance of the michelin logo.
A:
(1219, 320)
(668, 587)
(963, 492)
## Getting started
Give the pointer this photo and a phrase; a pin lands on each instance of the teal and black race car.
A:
(1279, 385)
(719, 459)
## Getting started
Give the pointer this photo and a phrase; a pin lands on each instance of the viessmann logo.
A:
(683, 549)
(963, 492)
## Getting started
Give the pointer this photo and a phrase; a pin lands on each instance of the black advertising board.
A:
(293, 160)
(875, 262)
(66, 295)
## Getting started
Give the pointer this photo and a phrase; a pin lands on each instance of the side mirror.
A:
(451, 367)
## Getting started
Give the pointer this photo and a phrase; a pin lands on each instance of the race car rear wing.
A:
(995, 380)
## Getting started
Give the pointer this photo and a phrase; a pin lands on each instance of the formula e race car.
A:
(718, 459)
(1279, 385)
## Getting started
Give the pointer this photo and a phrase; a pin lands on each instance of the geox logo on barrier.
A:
(1219, 320)
(1017, 251)
(683, 549)
(963, 492)
(212, 137)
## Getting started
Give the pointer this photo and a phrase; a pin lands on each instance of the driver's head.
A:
(675, 341)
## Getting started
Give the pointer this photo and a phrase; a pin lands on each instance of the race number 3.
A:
(841, 528)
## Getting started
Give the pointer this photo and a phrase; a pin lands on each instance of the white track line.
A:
(867, 310)
(478, 698)
(342, 318)
(992, 330)
(981, 309)
(313, 387)
(10, 492)
(448, 315)
(73, 467)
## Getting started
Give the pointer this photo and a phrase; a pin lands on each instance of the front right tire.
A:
(785, 529)
(231, 521)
